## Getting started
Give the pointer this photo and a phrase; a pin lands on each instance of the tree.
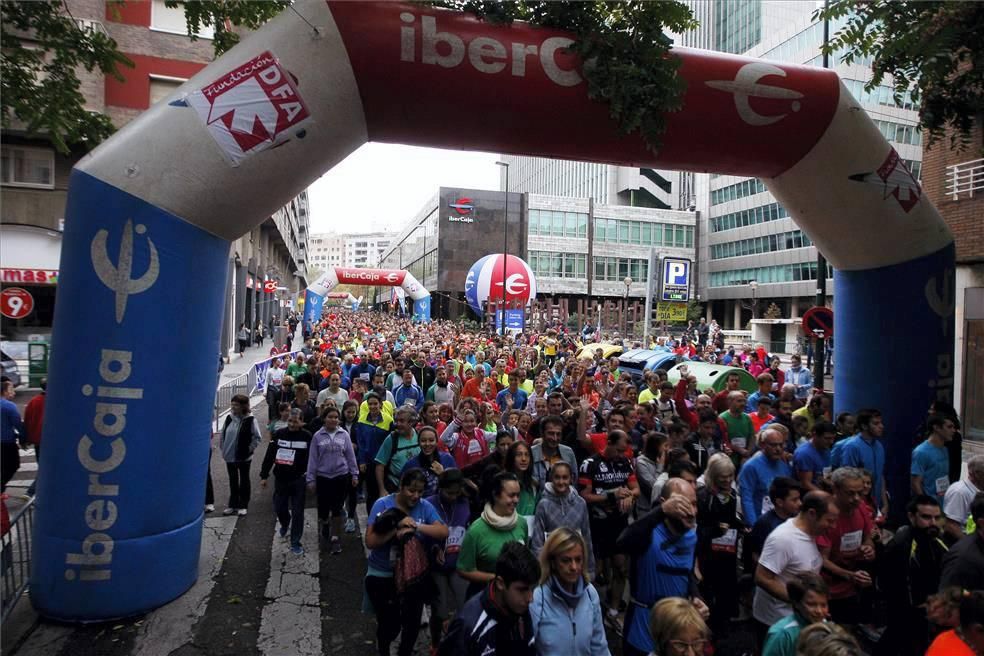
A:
(42, 48)
(624, 46)
(930, 49)
(694, 310)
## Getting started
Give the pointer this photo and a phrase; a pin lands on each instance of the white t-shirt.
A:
(341, 396)
(957, 500)
(274, 377)
(788, 551)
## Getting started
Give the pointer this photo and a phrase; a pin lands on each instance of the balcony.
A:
(963, 179)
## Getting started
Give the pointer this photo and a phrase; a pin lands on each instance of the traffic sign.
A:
(16, 303)
(818, 323)
(671, 312)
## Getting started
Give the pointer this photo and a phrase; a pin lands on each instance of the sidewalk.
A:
(237, 366)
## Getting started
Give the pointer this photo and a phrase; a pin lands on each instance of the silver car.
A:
(10, 370)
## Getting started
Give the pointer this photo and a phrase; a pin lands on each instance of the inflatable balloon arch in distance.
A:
(152, 212)
(508, 286)
(320, 289)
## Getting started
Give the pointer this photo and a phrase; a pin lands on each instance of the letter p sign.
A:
(676, 280)
(676, 273)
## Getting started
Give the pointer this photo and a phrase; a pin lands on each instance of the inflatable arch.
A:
(314, 296)
(152, 211)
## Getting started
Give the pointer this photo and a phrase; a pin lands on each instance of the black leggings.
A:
(332, 493)
(238, 484)
(395, 615)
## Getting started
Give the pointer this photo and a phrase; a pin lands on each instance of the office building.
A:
(330, 249)
(35, 175)
(580, 252)
(750, 237)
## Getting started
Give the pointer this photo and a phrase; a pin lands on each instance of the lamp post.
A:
(505, 243)
(627, 281)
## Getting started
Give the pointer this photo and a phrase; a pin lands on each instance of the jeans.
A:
(238, 484)
(395, 615)
(288, 504)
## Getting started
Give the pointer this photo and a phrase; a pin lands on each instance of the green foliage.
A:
(39, 84)
(43, 49)
(694, 311)
(930, 48)
(248, 14)
(624, 47)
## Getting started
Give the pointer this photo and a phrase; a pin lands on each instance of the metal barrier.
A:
(15, 556)
(250, 383)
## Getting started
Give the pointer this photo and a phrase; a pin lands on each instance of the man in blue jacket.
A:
(408, 393)
(757, 474)
(497, 621)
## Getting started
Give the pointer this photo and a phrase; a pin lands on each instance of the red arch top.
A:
(415, 66)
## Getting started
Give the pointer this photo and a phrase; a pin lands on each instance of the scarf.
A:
(498, 522)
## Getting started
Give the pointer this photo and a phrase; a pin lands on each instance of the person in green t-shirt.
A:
(808, 595)
(399, 447)
(297, 367)
(498, 524)
(741, 433)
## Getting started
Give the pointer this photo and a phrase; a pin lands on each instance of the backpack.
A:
(412, 566)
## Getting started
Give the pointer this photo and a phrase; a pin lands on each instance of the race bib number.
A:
(767, 504)
(286, 456)
(942, 483)
(529, 524)
(727, 542)
(739, 442)
(474, 447)
(364, 376)
(850, 541)
(455, 536)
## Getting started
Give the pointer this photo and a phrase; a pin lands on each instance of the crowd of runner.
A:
(541, 503)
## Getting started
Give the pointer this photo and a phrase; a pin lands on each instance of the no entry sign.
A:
(16, 303)
(818, 322)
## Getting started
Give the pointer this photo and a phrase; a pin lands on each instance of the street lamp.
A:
(627, 281)
(754, 287)
(505, 243)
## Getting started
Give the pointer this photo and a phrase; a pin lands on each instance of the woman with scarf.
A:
(466, 441)
(566, 608)
(498, 524)
(717, 541)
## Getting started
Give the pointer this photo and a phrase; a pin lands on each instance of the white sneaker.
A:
(241, 512)
(229, 511)
(209, 507)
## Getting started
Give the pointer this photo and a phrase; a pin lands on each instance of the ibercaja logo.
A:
(251, 108)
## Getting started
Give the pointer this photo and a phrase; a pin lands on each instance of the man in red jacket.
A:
(33, 417)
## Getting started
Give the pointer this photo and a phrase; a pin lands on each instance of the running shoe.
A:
(229, 511)
(297, 550)
(283, 532)
(241, 512)
(209, 507)
(350, 525)
(336, 546)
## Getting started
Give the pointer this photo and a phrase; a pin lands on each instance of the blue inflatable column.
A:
(127, 427)
(313, 304)
(422, 309)
(897, 325)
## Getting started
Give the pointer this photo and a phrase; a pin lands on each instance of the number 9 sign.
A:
(16, 303)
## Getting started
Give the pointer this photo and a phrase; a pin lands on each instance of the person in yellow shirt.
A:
(813, 411)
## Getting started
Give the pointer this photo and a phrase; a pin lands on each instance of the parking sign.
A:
(675, 280)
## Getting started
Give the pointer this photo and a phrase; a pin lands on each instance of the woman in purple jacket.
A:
(332, 471)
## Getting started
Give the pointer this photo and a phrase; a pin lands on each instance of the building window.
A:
(644, 233)
(28, 167)
(558, 265)
(172, 19)
(802, 271)
(756, 245)
(161, 86)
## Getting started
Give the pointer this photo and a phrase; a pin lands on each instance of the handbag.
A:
(411, 566)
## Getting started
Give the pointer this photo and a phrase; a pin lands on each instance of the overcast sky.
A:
(382, 186)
